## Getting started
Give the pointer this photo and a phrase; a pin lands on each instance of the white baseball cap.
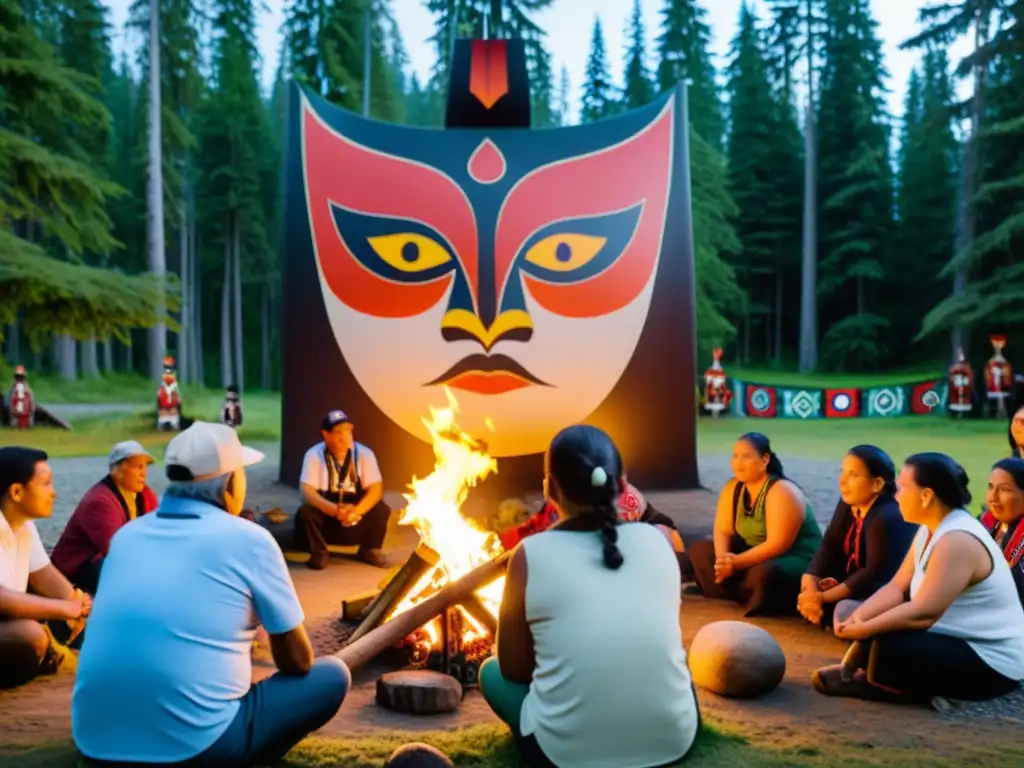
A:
(128, 449)
(209, 450)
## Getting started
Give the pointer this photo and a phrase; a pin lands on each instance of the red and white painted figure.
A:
(231, 411)
(168, 400)
(961, 385)
(21, 401)
(716, 386)
(998, 376)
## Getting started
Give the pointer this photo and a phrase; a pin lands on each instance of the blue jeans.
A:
(275, 715)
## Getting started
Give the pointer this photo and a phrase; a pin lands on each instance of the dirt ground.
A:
(793, 715)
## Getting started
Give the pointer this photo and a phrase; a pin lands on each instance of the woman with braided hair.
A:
(577, 595)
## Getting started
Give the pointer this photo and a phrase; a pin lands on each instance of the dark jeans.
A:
(87, 578)
(922, 664)
(275, 715)
(314, 530)
(765, 589)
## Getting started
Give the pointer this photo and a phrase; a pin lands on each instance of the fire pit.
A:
(462, 637)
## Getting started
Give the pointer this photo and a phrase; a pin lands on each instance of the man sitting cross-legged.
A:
(165, 673)
(118, 498)
(27, 648)
(342, 490)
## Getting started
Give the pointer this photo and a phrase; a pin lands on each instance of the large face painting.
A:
(542, 276)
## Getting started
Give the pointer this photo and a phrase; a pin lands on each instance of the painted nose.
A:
(511, 325)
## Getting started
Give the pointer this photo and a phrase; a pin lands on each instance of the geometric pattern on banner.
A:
(801, 403)
(917, 394)
(760, 401)
(842, 403)
(885, 401)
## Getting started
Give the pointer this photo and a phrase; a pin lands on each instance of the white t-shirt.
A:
(21, 553)
(167, 654)
(611, 688)
(314, 469)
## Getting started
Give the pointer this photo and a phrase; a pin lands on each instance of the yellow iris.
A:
(409, 251)
(565, 252)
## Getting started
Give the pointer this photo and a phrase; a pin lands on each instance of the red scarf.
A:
(852, 544)
(1013, 546)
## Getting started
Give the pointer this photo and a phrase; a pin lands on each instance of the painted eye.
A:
(565, 252)
(409, 252)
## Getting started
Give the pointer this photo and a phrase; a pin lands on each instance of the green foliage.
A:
(684, 53)
(599, 94)
(639, 89)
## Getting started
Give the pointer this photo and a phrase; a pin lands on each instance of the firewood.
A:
(419, 562)
(419, 692)
(370, 645)
(353, 608)
(480, 614)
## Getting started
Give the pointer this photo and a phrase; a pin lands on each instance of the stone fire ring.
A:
(736, 659)
(419, 692)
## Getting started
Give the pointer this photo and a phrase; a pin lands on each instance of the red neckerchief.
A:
(852, 544)
(1013, 546)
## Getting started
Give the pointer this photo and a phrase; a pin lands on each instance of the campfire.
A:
(459, 640)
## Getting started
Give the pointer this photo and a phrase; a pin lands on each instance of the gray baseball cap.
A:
(126, 450)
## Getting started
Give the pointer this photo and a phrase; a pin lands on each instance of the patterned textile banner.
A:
(768, 402)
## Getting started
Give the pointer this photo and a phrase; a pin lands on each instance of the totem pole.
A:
(21, 401)
(961, 386)
(168, 400)
(716, 388)
(998, 377)
(231, 411)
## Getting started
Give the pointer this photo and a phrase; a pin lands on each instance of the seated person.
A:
(1005, 502)
(865, 542)
(949, 624)
(1015, 429)
(342, 497)
(118, 498)
(169, 637)
(27, 647)
(764, 538)
(575, 597)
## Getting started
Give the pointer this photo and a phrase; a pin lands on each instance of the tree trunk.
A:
(809, 273)
(226, 374)
(195, 278)
(966, 214)
(265, 338)
(184, 341)
(779, 278)
(64, 357)
(236, 306)
(746, 337)
(367, 54)
(108, 356)
(90, 365)
(157, 257)
(14, 340)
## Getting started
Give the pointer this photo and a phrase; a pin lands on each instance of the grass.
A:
(491, 747)
(781, 378)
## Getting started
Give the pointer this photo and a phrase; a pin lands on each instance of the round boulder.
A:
(418, 755)
(736, 659)
(419, 691)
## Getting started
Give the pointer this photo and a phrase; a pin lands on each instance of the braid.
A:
(608, 519)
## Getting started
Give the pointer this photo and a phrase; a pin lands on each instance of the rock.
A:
(418, 755)
(736, 659)
(419, 691)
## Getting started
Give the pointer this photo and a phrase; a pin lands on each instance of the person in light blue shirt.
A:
(165, 673)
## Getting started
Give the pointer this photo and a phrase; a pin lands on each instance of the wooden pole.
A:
(480, 614)
(370, 645)
(422, 559)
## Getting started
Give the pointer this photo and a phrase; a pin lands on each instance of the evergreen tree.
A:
(599, 95)
(926, 203)
(856, 190)
(563, 108)
(764, 176)
(51, 203)
(639, 89)
(683, 53)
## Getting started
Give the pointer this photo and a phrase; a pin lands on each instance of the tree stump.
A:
(418, 755)
(736, 659)
(419, 692)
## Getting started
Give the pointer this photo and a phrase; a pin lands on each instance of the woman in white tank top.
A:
(590, 669)
(961, 633)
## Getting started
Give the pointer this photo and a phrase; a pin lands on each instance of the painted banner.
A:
(766, 402)
(541, 276)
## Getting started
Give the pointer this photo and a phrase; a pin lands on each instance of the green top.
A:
(751, 527)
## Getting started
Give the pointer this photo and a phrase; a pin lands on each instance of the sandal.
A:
(835, 680)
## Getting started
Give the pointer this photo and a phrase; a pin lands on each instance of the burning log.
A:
(480, 614)
(420, 561)
(368, 646)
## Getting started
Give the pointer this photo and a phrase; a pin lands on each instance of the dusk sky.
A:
(569, 25)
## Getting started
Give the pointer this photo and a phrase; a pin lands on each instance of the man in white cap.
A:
(117, 499)
(165, 674)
